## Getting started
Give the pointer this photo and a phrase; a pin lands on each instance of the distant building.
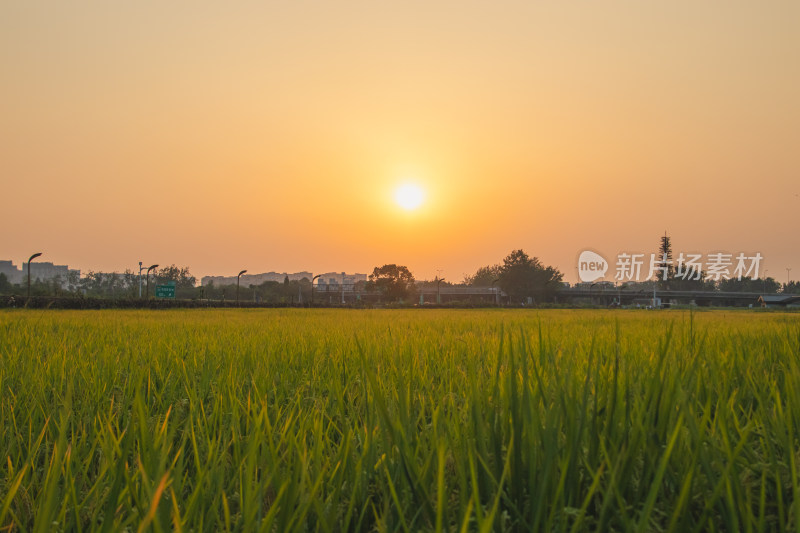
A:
(326, 280)
(40, 270)
(255, 279)
(593, 285)
(13, 273)
(779, 300)
(44, 271)
(333, 280)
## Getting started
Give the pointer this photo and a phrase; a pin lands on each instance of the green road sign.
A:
(165, 291)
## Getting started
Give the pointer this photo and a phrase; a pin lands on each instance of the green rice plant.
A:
(399, 420)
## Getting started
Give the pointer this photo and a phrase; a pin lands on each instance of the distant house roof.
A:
(779, 299)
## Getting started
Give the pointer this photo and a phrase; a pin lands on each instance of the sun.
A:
(409, 196)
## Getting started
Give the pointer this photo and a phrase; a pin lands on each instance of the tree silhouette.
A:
(392, 281)
(665, 255)
(484, 276)
(522, 276)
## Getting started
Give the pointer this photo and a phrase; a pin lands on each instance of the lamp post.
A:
(140, 279)
(312, 288)
(438, 294)
(788, 269)
(237, 286)
(655, 285)
(31, 258)
(496, 299)
(147, 278)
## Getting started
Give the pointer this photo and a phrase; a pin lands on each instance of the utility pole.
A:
(140, 279)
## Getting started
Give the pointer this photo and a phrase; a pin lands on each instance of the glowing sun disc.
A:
(409, 196)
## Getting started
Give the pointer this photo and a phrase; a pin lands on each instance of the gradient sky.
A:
(271, 135)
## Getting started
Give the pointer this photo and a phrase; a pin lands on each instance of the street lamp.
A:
(140, 279)
(31, 258)
(147, 278)
(438, 295)
(496, 299)
(312, 288)
(237, 286)
(788, 269)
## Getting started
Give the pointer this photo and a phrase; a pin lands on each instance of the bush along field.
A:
(391, 420)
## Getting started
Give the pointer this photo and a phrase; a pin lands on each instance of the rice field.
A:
(399, 420)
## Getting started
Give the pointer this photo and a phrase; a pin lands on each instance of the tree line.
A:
(521, 278)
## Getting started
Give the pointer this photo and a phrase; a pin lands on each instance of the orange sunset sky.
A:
(273, 135)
